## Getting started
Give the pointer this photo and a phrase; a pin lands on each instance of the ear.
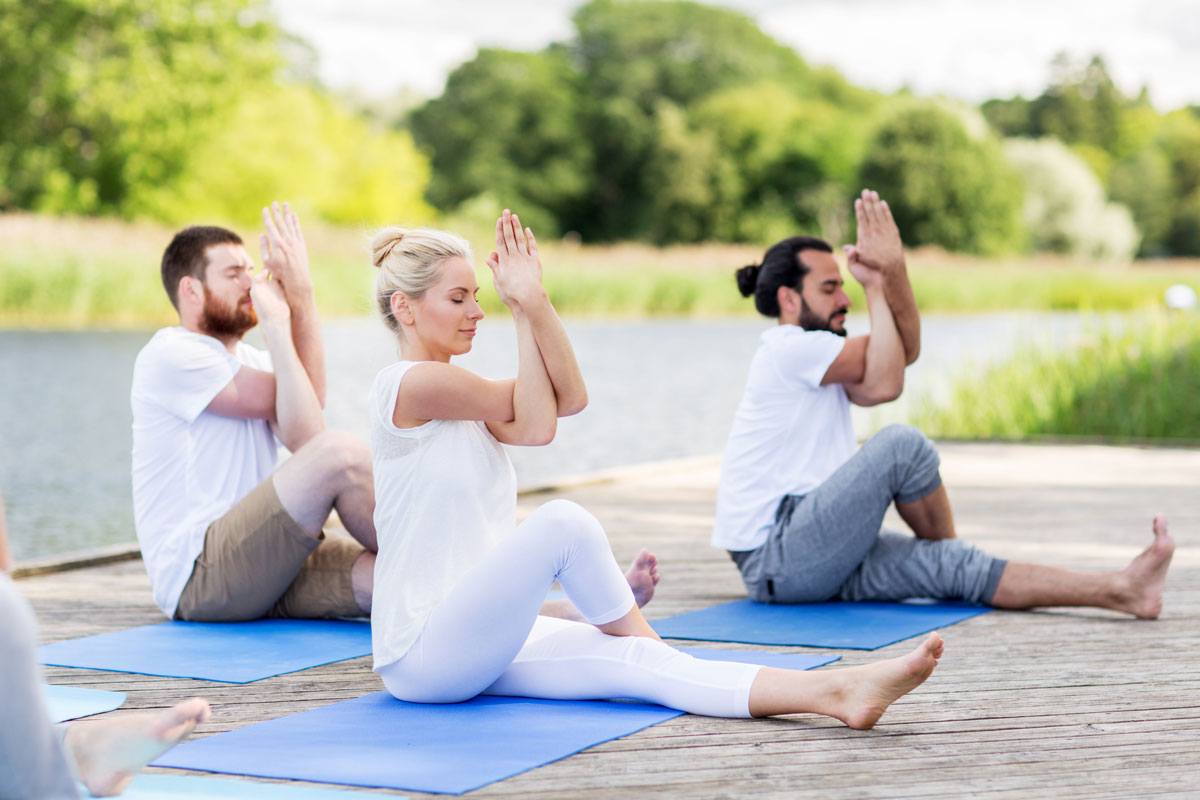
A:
(789, 302)
(191, 288)
(402, 310)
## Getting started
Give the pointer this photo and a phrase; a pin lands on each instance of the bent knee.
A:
(342, 455)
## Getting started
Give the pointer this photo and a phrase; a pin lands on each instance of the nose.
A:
(475, 311)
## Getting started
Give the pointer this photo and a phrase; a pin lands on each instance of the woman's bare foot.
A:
(109, 752)
(1140, 585)
(643, 577)
(870, 689)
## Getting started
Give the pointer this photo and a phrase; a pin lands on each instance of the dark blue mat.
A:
(73, 702)
(381, 742)
(850, 626)
(228, 652)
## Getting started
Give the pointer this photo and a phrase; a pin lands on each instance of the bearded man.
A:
(227, 534)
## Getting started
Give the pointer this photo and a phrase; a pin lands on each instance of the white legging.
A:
(486, 637)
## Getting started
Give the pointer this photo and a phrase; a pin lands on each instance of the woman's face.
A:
(446, 316)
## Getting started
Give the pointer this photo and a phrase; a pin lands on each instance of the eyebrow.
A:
(464, 289)
(832, 282)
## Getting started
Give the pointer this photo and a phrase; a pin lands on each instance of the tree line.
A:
(660, 121)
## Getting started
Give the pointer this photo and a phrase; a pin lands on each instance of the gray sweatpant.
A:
(33, 763)
(828, 544)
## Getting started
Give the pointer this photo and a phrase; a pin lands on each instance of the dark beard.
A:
(218, 319)
(811, 322)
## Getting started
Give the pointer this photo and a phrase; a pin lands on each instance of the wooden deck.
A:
(1048, 704)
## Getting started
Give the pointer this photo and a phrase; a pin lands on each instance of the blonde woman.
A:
(458, 584)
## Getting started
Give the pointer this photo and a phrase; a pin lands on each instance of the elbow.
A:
(571, 405)
(541, 435)
(878, 394)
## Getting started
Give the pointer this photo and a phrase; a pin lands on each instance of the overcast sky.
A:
(971, 49)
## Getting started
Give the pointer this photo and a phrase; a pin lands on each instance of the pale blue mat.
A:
(851, 626)
(73, 702)
(166, 787)
(228, 652)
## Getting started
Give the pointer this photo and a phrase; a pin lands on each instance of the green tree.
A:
(102, 102)
(507, 125)
(944, 187)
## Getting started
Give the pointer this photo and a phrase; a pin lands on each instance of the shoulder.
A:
(795, 342)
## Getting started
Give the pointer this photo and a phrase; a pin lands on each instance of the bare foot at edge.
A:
(1145, 576)
(108, 753)
(874, 687)
(643, 577)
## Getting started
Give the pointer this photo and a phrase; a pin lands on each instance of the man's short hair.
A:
(186, 255)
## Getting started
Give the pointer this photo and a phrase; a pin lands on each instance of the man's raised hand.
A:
(879, 246)
(284, 253)
(516, 267)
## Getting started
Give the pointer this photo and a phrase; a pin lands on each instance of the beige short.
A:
(258, 562)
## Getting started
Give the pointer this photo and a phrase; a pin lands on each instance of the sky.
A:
(969, 49)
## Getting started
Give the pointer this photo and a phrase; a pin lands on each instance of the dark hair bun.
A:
(747, 279)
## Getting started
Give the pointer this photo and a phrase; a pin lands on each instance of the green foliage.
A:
(101, 102)
(293, 142)
(507, 124)
(944, 187)
(1140, 384)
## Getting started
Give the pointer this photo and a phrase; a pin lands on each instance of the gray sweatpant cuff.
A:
(993, 581)
(926, 489)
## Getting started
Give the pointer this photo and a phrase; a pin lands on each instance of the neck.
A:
(413, 349)
(230, 341)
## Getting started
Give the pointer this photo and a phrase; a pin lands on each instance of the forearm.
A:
(903, 305)
(298, 413)
(883, 375)
(534, 405)
(306, 336)
(558, 358)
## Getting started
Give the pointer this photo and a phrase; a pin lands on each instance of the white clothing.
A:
(789, 434)
(486, 636)
(190, 465)
(445, 494)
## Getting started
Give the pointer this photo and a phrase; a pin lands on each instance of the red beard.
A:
(219, 319)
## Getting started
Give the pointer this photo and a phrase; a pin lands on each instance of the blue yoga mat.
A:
(228, 652)
(381, 742)
(73, 702)
(166, 787)
(852, 626)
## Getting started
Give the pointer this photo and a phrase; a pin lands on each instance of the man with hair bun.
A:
(799, 509)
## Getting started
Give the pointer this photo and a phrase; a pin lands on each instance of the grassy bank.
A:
(1139, 384)
(63, 273)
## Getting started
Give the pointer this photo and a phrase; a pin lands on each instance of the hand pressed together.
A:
(284, 253)
(878, 251)
(516, 268)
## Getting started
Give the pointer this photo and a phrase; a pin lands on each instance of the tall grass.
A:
(1140, 383)
(72, 273)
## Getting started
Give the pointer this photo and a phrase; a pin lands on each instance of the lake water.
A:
(659, 389)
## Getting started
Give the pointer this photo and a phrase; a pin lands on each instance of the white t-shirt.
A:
(445, 494)
(190, 466)
(790, 433)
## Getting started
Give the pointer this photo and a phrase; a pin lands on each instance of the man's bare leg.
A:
(333, 470)
(857, 696)
(108, 753)
(642, 575)
(1137, 589)
(930, 517)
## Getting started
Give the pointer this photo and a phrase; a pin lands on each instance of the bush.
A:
(944, 187)
(1065, 208)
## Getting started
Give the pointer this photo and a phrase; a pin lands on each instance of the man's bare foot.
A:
(870, 689)
(109, 752)
(1141, 583)
(643, 577)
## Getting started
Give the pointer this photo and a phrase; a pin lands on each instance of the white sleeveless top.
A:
(445, 494)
